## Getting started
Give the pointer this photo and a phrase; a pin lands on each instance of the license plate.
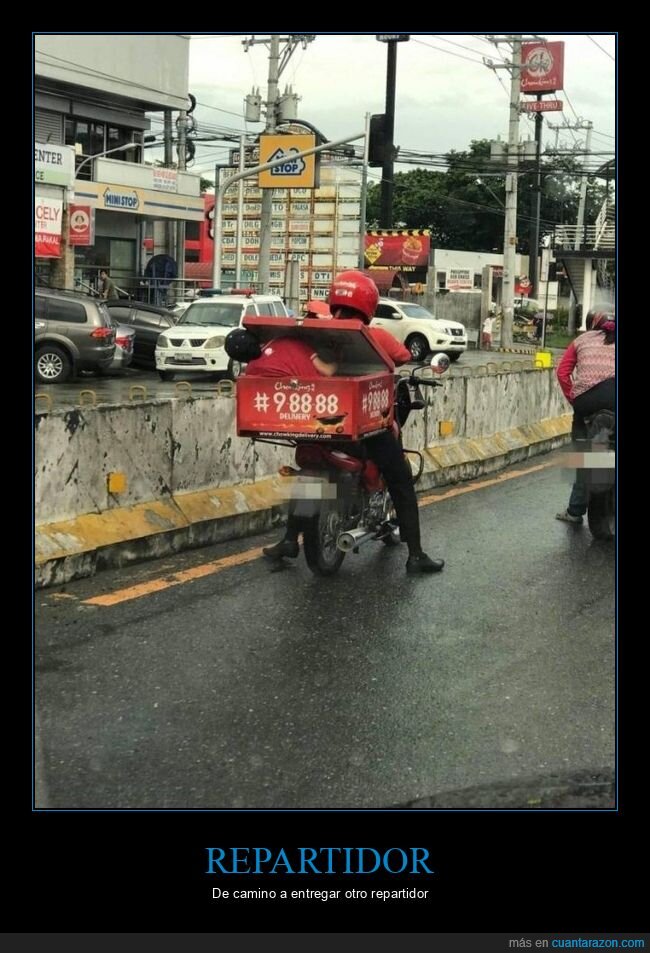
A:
(184, 357)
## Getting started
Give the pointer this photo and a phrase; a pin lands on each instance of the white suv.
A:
(195, 343)
(417, 328)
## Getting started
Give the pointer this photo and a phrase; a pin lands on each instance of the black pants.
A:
(600, 397)
(386, 451)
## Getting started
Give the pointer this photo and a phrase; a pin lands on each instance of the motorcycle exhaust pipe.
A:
(353, 538)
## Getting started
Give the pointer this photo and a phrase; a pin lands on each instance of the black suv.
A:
(72, 333)
(148, 321)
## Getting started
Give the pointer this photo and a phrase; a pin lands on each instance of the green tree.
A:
(464, 207)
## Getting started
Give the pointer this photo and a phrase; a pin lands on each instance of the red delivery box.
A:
(356, 403)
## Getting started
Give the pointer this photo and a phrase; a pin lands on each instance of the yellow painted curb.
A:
(94, 531)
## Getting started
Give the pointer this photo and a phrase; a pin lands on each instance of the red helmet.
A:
(353, 289)
(317, 308)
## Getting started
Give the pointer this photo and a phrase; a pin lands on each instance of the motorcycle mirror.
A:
(439, 363)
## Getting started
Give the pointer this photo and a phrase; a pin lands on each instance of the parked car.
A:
(178, 308)
(124, 338)
(72, 333)
(148, 322)
(419, 330)
(195, 343)
(526, 308)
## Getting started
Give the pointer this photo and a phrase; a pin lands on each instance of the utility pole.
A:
(579, 124)
(534, 231)
(168, 161)
(387, 171)
(278, 59)
(583, 189)
(510, 229)
(264, 260)
(180, 231)
(364, 198)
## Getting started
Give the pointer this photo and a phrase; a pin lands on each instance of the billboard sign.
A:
(397, 251)
(542, 67)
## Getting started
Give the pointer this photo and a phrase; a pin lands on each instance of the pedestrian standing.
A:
(486, 338)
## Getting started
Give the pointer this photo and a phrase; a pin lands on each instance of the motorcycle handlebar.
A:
(419, 382)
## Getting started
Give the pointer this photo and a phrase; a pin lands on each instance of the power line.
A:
(600, 47)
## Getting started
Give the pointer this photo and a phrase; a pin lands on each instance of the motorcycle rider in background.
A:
(587, 376)
(354, 295)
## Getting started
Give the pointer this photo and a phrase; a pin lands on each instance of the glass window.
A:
(39, 307)
(147, 319)
(441, 279)
(478, 280)
(70, 311)
(385, 311)
(122, 315)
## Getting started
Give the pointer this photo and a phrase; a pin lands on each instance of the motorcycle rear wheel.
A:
(601, 514)
(320, 533)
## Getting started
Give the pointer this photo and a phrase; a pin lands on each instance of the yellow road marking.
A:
(457, 491)
(239, 559)
(176, 579)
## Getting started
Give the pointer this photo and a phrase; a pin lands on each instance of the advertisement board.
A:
(542, 67)
(398, 250)
(48, 214)
(82, 225)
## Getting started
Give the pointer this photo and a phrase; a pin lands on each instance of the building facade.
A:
(93, 94)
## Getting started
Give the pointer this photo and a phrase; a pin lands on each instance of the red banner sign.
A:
(82, 225)
(48, 214)
(542, 67)
(399, 251)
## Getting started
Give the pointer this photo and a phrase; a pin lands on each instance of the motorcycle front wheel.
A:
(320, 533)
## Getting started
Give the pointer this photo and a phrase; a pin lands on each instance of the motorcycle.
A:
(601, 481)
(340, 498)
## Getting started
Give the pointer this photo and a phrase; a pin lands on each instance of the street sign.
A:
(392, 37)
(542, 106)
(542, 67)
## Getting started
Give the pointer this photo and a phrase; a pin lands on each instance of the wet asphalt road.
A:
(244, 688)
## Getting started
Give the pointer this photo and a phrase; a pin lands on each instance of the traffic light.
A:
(377, 140)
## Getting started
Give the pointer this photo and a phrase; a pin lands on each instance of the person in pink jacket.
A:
(587, 376)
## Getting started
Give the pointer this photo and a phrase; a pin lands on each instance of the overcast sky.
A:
(445, 95)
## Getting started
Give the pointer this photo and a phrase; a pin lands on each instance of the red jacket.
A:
(565, 369)
(396, 351)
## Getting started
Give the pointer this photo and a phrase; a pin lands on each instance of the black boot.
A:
(422, 563)
(286, 547)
